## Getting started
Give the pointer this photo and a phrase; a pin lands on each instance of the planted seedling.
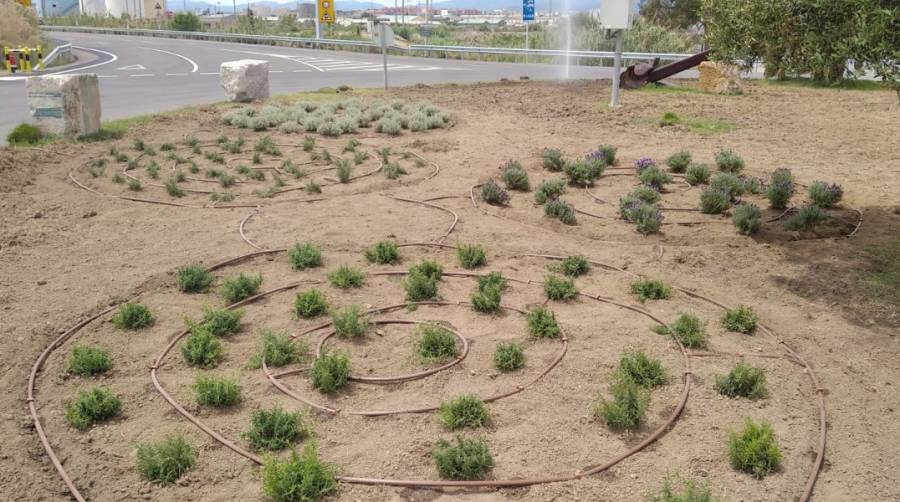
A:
(219, 321)
(644, 371)
(344, 170)
(561, 210)
(697, 174)
(542, 323)
(825, 195)
(276, 429)
(655, 177)
(420, 286)
(132, 315)
(134, 185)
(173, 189)
(806, 218)
(96, 405)
(392, 171)
(509, 357)
(494, 194)
(471, 255)
(743, 381)
(560, 289)
(464, 410)
(278, 349)
(241, 287)
(650, 289)
(714, 201)
(86, 360)
(486, 298)
(383, 253)
(467, 459)
(582, 172)
(740, 319)
(678, 162)
(309, 304)
(215, 391)
(202, 349)
(436, 344)
(266, 145)
(689, 330)
(553, 159)
(573, 266)
(690, 491)
(549, 190)
(515, 177)
(350, 321)
(627, 407)
(304, 256)
(729, 162)
(330, 372)
(754, 449)
(167, 461)
(747, 218)
(346, 277)
(298, 478)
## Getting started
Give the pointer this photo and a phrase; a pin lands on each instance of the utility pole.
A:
(403, 13)
(617, 69)
(318, 26)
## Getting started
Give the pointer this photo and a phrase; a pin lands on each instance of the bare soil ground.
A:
(66, 252)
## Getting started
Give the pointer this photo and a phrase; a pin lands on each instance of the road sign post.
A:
(616, 15)
(384, 37)
(324, 14)
(527, 17)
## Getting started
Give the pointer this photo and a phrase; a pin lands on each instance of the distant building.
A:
(143, 9)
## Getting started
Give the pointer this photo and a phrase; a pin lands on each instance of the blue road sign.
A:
(528, 10)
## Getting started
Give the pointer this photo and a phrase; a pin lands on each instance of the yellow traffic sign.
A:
(326, 11)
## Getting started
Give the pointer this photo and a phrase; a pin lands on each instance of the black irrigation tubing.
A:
(793, 356)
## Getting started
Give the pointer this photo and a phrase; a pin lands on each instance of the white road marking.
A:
(142, 75)
(276, 71)
(280, 56)
(209, 73)
(107, 76)
(189, 60)
(301, 71)
(176, 74)
(132, 67)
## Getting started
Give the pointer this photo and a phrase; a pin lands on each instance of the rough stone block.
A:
(245, 80)
(64, 104)
(719, 78)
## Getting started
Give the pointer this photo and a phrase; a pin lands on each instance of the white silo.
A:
(116, 8)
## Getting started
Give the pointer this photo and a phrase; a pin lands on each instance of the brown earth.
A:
(66, 252)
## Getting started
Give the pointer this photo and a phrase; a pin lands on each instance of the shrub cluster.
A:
(728, 183)
(553, 159)
(654, 177)
(346, 277)
(86, 360)
(678, 162)
(275, 429)
(740, 319)
(646, 193)
(515, 177)
(781, 188)
(743, 380)
(299, 478)
(747, 218)
(241, 287)
(542, 323)
(464, 410)
(436, 344)
(574, 266)
(714, 201)
(330, 372)
(583, 172)
(754, 449)
(646, 217)
(729, 162)
(609, 154)
(202, 349)
(277, 349)
(133, 315)
(549, 190)
(627, 407)
(383, 253)
(689, 330)
(697, 174)
(96, 405)
(650, 289)
(468, 459)
(220, 322)
(825, 195)
(644, 371)
(471, 255)
(304, 256)
(806, 218)
(486, 297)
(216, 391)
(561, 210)
(166, 461)
(509, 357)
(494, 194)
(559, 288)
(310, 303)
(350, 321)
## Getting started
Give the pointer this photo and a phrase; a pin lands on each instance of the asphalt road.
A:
(140, 75)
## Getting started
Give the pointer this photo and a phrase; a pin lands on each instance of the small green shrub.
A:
(561, 210)
(574, 266)
(468, 459)
(360, 157)
(678, 162)
(689, 330)
(553, 159)
(346, 277)
(275, 429)
(609, 154)
(542, 323)
(805, 219)
(309, 143)
(152, 169)
(714, 201)
(304, 256)
(216, 391)
(299, 478)
(494, 194)
(728, 183)
(96, 405)
(654, 177)
(134, 185)
(277, 349)
(697, 174)
(86, 360)
(383, 252)
(221, 322)
(729, 162)
(241, 287)
(646, 217)
(173, 189)
(471, 255)
(428, 268)
(487, 296)
(344, 170)
(669, 119)
(752, 184)
(779, 193)
(549, 190)
(436, 344)
(650, 289)
(313, 187)
(166, 461)
(825, 195)
(266, 145)
(690, 491)
(646, 372)
(464, 410)
(740, 319)
(420, 286)
(309, 304)
(628, 405)
(747, 218)
(582, 172)
(133, 315)
(559, 288)
(646, 193)
(221, 197)
(509, 357)
(515, 177)
(754, 449)
(330, 372)
(202, 349)
(350, 321)
(743, 380)
(24, 134)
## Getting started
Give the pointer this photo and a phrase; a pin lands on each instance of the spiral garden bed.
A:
(392, 406)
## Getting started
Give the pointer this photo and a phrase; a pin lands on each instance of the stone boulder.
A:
(720, 78)
(245, 80)
(64, 104)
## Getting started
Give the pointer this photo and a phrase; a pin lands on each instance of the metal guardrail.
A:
(314, 42)
(55, 53)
